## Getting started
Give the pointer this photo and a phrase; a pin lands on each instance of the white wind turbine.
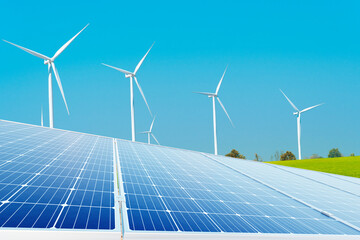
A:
(213, 96)
(150, 134)
(132, 75)
(298, 114)
(51, 65)
(42, 117)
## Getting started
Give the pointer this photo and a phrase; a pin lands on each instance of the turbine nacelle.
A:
(47, 62)
(296, 113)
(129, 75)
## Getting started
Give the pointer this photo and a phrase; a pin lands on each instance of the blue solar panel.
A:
(190, 192)
(55, 179)
(339, 198)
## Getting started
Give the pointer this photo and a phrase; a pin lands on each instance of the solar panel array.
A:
(53, 179)
(175, 190)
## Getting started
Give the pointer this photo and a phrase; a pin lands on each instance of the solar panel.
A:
(55, 179)
(340, 201)
(190, 192)
(327, 179)
(345, 178)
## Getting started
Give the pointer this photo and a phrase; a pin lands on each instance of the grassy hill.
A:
(348, 166)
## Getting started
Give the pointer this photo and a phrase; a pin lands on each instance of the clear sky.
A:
(309, 49)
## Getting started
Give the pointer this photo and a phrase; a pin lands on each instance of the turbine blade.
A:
(205, 93)
(118, 69)
(152, 124)
(29, 51)
(218, 87)
(155, 138)
(142, 60)
(307, 109)
(293, 105)
(67, 44)
(142, 94)
(60, 86)
(225, 110)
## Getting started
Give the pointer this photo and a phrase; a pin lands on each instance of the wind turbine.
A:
(132, 75)
(215, 96)
(298, 115)
(42, 117)
(51, 66)
(149, 133)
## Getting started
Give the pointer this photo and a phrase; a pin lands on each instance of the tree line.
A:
(283, 156)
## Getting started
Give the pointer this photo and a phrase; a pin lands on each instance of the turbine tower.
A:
(42, 117)
(297, 113)
(214, 96)
(51, 66)
(150, 134)
(131, 76)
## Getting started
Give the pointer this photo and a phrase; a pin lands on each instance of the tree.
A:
(334, 153)
(276, 156)
(257, 158)
(352, 155)
(235, 154)
(314, 156)
(287, 156)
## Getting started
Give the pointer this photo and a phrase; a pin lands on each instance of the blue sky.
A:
(308, 49)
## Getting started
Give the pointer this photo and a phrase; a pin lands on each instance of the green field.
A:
(348, 166)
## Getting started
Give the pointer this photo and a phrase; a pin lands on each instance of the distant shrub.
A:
(314, 156)
(334, 153)
(235, 154)
(276, 156)
(257, 158)
(287, 156)
(352, 155)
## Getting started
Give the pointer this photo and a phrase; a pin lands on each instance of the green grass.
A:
(348, 166)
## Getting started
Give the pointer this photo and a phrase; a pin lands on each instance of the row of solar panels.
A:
(53, 179)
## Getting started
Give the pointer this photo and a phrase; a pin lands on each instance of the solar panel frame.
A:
(124, 220)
